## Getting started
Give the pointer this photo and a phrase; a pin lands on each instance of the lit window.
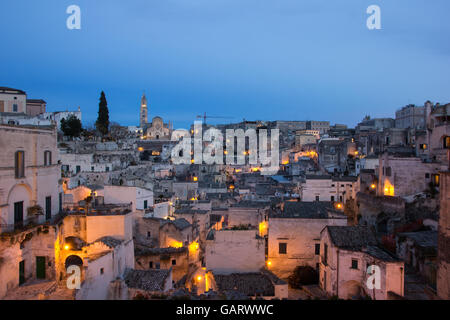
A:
(446, 142)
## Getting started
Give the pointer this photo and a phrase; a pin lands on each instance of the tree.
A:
(102, 123)
(71, 127)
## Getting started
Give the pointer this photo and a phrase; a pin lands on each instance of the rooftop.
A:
(353, 238)
(425, 239)
(148, 280)
(307, 210)
(250, 284)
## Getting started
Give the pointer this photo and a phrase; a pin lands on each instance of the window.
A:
(325, 254)
(332, 198)
(354, 264)
(150, 265)
(15, 107)
(47, 158)
(317, 248)
(145, 204)
(388, 171)
(102, 271)
(435, 180)
(174, 262)
(149, 235)
(317, 198)
(423, 146)
(107, 169)
(48, 208)
(20, 164)
(92, 169)
(427, 175)
(446, 141)
(158, 266)
(282, 248)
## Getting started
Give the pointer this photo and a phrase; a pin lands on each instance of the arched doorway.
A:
(73, 260)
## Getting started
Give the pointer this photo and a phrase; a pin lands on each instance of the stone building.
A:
(443, 275)
(250, 285)
(346, 255)
(234, 251)
(30, 189)
(13, 100)
(403, 175)
(35, 107)
(294, 235)
(332, 154)
(410, 116)
(328, 188)
(176, 259)
(158, 130)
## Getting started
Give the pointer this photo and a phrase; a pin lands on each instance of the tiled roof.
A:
(140, 251)
(110, 241)
(306, 210)
(180, 224)
(425, 239)
(148, 280)
(353, 238)
(380, 254)
(250, 284)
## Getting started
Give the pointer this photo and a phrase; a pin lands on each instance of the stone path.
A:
(40, 290)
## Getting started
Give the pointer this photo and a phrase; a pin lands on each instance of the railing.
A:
(19, 226)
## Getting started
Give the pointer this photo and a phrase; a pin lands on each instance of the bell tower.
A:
(144, 112)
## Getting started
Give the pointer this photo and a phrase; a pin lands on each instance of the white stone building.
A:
(346, 255)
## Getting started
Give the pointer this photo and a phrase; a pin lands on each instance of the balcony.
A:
(19, 226)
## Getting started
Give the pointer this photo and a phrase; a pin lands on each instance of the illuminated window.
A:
(435, 179)
(19, 164)
(446, 142)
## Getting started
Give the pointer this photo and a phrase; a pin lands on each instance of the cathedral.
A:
(157, 129)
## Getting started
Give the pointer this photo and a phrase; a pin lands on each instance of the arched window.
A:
(47, 158)
(19, 164)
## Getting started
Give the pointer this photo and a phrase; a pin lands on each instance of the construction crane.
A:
(204, 117)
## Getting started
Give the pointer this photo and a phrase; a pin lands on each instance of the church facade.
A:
(155, 130)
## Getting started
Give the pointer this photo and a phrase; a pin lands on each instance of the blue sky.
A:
(252, 59)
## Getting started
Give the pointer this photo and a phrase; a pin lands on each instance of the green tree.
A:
(71, 127)
(102, 123)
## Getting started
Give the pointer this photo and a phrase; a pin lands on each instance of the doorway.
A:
(40, 267)
(21, 272)
(18, 214)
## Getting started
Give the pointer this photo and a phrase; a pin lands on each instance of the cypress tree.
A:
(102, 123)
